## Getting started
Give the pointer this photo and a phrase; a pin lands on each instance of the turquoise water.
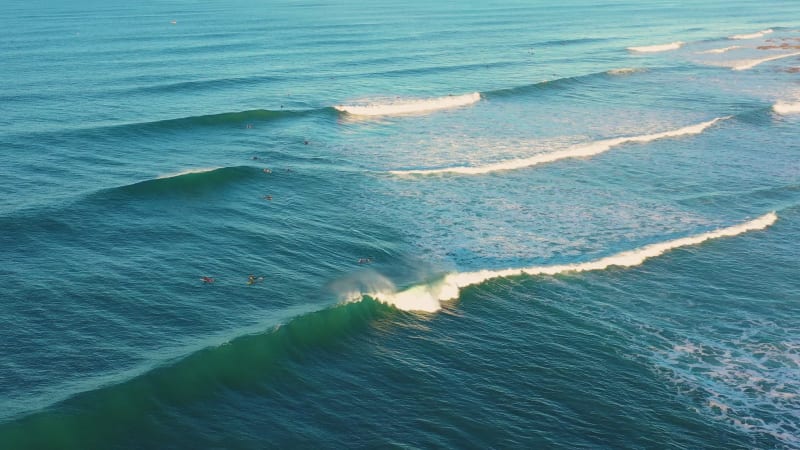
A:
(507, 225)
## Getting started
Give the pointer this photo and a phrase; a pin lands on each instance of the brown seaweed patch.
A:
(784, 46)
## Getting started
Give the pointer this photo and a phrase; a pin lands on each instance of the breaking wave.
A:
(657, 48)
(579, 151)
(750, 63)
(428, 297)
(409, 106)
(785, 108)
(751, 35)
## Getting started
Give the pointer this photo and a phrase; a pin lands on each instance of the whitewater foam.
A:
(428, 297)
(785, 108)
(579, 151)
(189, 171)
(749, 64)
(410, 106)
(719, 50)
(657, 48)
(751, 35)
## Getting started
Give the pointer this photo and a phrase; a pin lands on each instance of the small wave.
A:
(657, 48)
(428, 297)
(626, 71)
(785, 108)
(749, 64)
(751, 35)
(579, 151)
(719, 50)
(410, 106)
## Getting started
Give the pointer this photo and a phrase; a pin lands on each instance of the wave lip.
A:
(751, 35)
(785, 108)
(749, 64)
(188, 172)
(578, 151)
(428, 298)
(657, 48)
(626, 71)
(409, 106)
(719, 50)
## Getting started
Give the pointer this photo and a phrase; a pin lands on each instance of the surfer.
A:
(252, 279)
(207, 279)
(267, 170)
(267, 197)
(365, 260)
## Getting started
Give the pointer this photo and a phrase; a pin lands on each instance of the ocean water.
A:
(506, 224)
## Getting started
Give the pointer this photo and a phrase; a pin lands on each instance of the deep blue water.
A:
(380, 165)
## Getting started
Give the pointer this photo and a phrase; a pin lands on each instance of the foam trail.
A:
(579, 151)
(719, 50)
(744, 65)
(784, 108)
(428, 298)
(189, 171)
(657, 48)
(751, 35)
(410, 106)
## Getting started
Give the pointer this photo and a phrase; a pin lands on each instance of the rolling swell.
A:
(222, 120)
(95, 419)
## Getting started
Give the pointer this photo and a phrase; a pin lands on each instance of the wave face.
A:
(95, 417)
(751, 35)
(786, 108)
(188, 181)
(749, 64)
(405, 106)
(657, 48)
(580, 151)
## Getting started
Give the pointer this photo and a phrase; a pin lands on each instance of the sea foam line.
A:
(578, 151)
(751, 35)
(749, 64)
(657, 48)
(428, 297)
(410, 106)
(784, 108)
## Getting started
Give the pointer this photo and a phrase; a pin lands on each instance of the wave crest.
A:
(719, 50)
(751, 35)
(428, 297)
(187, 181)
(579, 151)
(657, 48)
(410, 106)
